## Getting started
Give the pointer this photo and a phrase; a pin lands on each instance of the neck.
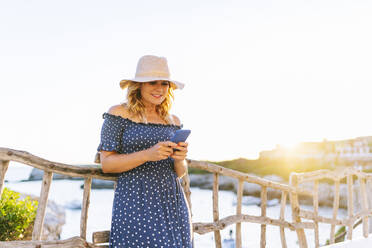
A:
(150, 108)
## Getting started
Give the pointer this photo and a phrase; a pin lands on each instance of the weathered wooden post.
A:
(238, 231)
(369, 194)
(186, 188)
(350, 207)
(363, 194)
(263, 214)
(3, 168)
(185, 182)
(39, 220)
(283, 203)
(293, 181)
(336, 198)
(316, 211)
(84, 210)
(217, 234)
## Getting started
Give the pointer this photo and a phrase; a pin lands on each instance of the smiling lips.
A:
(156, 96)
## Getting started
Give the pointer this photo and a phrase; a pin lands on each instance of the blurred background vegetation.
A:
(280, 167)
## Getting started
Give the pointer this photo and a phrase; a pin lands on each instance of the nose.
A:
(160, 85)
(158, 88)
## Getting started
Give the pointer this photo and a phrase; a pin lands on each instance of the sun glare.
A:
(289, 145)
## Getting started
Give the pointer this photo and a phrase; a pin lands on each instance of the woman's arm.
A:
(113, 162)
(180, 167)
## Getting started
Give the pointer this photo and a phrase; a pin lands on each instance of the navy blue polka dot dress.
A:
(149, 208)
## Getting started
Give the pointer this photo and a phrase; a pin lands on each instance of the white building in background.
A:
(358, 149)
(355, 148)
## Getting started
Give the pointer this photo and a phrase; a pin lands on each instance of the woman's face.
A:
(154, 92)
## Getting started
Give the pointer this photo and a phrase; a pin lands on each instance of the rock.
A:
(226, 183)
(251, 200)
(73, 204)
(325, 198)
(205, 181)
(228, 243)
(326, 195)
(101, 184)
(271, 203)
(250, 189)
(37, 174)
(274, 178)
(248, 200)
(55, 218)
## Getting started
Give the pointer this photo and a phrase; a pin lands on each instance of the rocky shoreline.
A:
(326, 191)
(55, 218)
(205, 181)
(37, 174)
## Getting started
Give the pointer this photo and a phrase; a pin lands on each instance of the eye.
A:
(152, 82)
(165, 83)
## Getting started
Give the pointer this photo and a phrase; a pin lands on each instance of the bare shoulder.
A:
(176, 120)
(119, 110)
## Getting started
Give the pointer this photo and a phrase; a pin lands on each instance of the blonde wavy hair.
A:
(136, 108)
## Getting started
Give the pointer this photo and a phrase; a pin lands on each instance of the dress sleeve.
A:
(111, 133)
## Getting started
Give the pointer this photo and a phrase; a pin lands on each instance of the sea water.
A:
(65, 192)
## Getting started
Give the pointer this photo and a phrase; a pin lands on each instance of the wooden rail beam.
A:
(74, 242)
(59, 168)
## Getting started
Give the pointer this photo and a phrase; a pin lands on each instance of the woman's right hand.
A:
(160, 151)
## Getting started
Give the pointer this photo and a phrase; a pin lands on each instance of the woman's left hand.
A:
(182, 153)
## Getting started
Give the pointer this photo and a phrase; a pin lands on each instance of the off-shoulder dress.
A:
(149, 206)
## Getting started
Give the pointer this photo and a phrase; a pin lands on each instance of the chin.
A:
(158, 102)
(155, 101)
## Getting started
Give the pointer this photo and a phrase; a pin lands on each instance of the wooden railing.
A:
(218, 224)
(294, 190)
(336, 177)
(49, 167)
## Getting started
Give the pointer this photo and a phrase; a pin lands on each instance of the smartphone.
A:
(180, 136)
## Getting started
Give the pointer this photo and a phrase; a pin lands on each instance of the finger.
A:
(168, 143)
(183, 144)
(167, 149)
(168, 153)
(180, 153)
(164, 154)
(182, 149)
(175, 157)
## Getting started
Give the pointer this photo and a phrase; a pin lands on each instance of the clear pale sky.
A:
(257, 73)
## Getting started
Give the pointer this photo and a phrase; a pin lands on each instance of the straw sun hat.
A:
(152, 68)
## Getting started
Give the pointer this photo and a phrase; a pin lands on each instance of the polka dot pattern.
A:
(149, 209)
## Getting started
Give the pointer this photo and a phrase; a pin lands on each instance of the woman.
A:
(149, 208)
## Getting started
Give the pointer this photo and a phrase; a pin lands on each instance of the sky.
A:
(257, 73)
